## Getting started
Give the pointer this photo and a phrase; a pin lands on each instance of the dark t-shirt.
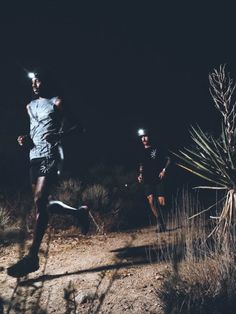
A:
(153, 163)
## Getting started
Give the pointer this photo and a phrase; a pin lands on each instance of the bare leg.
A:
(162, 203)
(30, 262)
(161, 200)
(44, 208)
(41, 202)
(150, 199)
(156, 211)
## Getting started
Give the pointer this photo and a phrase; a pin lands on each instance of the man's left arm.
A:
(67, 127)
(163, 172)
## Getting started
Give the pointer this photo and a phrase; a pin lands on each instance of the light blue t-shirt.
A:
(44, 118)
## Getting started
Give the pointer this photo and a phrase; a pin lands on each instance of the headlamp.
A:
(31, 75)
(142, 132)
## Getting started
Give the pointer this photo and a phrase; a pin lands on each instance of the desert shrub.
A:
(213, 158)
(16, 217)
(4, 217)
(205, 286)
(19, 206)
(69, 191)
(202, 276)
(104, 205)
(96, 196)
(114, 198)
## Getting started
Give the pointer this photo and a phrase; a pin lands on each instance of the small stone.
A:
(158, 277)
(83, 297)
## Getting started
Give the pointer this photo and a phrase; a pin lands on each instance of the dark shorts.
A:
(157, 188)
(43, 167)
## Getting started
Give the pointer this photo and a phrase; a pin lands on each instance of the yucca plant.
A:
(213, 159)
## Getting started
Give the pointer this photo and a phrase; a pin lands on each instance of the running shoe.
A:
(26, 265)
(83, 219)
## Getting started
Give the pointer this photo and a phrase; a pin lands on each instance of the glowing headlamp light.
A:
(141, 132)
(31, 75)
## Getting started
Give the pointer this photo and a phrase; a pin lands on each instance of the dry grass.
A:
(96, 196)
(4, 217)
(202, 277)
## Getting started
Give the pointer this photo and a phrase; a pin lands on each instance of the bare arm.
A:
(66, 128)
(140, 176)
(163, 172)
(25, 140)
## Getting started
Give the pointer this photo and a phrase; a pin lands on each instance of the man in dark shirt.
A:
(152, 171)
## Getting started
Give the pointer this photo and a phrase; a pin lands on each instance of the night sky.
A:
(122, 65)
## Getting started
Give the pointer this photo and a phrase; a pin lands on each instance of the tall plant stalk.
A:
(213, 159)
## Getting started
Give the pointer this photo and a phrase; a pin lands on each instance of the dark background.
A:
(122, 65)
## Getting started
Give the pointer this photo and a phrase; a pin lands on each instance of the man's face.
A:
(36, 83)
(145, 139)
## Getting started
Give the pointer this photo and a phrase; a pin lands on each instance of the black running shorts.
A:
(157, 189)
(43, 167)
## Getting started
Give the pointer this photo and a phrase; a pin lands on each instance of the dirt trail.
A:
(114, 273)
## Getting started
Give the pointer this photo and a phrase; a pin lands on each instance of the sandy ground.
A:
(114, 273)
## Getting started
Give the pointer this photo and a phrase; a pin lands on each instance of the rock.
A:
(85, 296)
(158, 277)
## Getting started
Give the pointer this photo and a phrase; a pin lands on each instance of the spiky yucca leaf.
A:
(209, 159)
(200, 175)
(193, 160)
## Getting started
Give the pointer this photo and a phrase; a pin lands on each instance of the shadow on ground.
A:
(125, 257)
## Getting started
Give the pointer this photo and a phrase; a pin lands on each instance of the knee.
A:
(150, 199)
(161, 200)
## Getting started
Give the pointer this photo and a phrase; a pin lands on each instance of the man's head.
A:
(145, 140)
(39, 88)
(36, 85)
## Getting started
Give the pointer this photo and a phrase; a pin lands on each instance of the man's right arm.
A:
(25, 140)
(21, 139)
(140, 176)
